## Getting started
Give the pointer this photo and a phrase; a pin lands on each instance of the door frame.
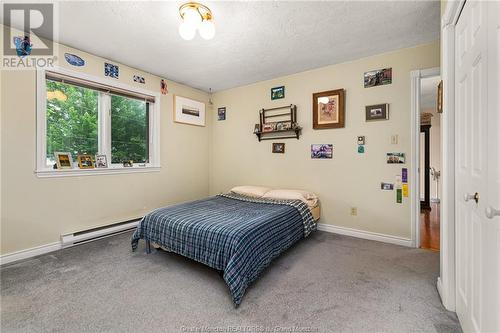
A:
(446, 283)
(416, 77)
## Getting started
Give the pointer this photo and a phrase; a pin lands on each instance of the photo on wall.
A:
(377, 112)
(328, 109)
(221, 113)
(396, 158)
(189, 111)
(321, 151)
(277, 93)
(278, 148)
(378, 77)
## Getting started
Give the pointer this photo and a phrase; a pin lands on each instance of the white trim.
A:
(365, 234)
(68, 240)
(29, 253)
(94, 172)
(42, 170)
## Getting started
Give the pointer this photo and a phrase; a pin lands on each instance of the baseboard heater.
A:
(89, 235)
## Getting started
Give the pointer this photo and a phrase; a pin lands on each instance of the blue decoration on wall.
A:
(23, 46)
(74, 60)
(111, 70)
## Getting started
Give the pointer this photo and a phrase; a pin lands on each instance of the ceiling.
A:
(254, 41)
(428, 93)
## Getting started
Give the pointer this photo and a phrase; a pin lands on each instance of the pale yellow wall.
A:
(349, 179)
(37, 211)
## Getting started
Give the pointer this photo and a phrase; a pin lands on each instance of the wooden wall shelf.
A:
(283, 117)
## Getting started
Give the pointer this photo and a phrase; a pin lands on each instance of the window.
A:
(83, 116)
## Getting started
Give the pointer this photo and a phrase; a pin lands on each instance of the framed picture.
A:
(321, 151)
(101, 161)
(278, 148)
(396, 158)
(440, 97)
(221, 113)
(377, 112)
(188, 111)
(277, 92)
(378, 77)
(85, 161)
(386, 186)
(361, 140)
(111, 70)
(63, 160)
(328, 109)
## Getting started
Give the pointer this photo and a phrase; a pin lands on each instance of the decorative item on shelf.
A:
(378, 77)
(440, 97)
(396, 158)
(63, 160)
(377, 112)
(85, 161)
(285, 126)
(277, 93)
(188, 111)
(163, 87)
(128, 164)
(196, 16)
(101, 161)
(111, 70)
(328, 109)
(256, 128)
(74, 60)
(278, 148)
(321, 151)
(221, 113)
(139, 79)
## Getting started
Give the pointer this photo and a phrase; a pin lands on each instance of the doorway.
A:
(429, 163)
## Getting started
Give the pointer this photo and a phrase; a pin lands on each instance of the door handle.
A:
(491, 212)
(474, 196)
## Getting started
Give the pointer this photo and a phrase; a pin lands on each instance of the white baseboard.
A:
(440, 288)
(29, 253)
(365, 234)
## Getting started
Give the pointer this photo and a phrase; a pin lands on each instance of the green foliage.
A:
(72, 124)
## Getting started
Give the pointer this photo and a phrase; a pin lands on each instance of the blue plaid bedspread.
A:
(235, 234)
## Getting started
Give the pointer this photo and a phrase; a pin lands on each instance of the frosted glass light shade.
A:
(187, 31)
(207, 30)
(192, 17)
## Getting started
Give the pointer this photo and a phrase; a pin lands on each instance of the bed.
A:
(236, 234)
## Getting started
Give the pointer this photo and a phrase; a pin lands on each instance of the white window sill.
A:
(51, 173)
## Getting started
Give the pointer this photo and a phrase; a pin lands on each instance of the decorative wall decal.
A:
(74, 60)
(85, 161)
(404, 175)
(321, 151)
(163, 87)
(396, 158)
(361, 149)
(139, 79)
(111, 70)
(328, 109)
(277, 92)
(377, 112)
(405, 190)
(278, 148)
(221, 113)
(378, 77)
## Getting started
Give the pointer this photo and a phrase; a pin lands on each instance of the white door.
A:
(477, 43)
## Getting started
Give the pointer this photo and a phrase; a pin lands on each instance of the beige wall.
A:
(37, 211)
(349, 179)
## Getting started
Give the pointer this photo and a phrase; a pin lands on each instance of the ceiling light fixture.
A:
(196, 16)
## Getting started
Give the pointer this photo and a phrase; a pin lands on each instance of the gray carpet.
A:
(326, 283)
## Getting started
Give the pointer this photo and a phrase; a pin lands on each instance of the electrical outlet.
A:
(394, 139)
(354, 211)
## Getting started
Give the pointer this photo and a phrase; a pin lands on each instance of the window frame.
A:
(104, 127)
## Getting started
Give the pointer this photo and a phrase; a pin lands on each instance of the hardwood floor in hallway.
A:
(430, 227)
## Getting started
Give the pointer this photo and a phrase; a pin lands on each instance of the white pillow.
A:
(251, 191)
(308, 197)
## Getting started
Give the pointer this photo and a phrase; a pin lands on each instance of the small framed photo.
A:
(386, 186)
(328, 109)
(361, 140)
(128, 164)
(378, 77)
(278, 148)
(321, 151)
(101, 161)
(85, 161)
(277, 93)
(63, 160)
(189, 111)
(377, 112)
(221, 113)
(396, 158)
